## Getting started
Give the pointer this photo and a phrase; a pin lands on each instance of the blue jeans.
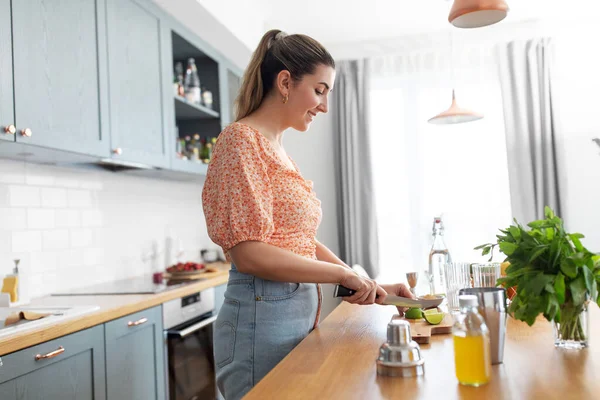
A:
(260, 322)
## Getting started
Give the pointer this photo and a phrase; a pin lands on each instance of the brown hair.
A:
(298, 54)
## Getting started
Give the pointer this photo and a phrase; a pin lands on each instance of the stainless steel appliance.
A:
(136, 285)
(188, 324)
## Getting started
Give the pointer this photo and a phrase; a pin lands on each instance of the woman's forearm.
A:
(324, 254)
(273, 263)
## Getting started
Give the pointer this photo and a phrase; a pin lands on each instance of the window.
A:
(421, 170)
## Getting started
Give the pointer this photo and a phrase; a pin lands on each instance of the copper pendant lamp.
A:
(455, 114)
(477, 13)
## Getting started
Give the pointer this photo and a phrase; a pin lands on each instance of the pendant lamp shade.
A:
(477, 13)
(455, 115)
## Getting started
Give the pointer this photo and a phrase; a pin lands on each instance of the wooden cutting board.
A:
(421, 330)
(191, 276)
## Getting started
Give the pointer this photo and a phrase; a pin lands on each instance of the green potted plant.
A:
(555, 275)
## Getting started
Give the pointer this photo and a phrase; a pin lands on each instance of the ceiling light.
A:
(455, 115)
(477, 13)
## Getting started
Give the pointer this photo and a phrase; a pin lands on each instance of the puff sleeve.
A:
(237, 199)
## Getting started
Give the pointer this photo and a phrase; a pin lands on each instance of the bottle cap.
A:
(467, 300)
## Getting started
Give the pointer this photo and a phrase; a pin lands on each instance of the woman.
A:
(265, 216)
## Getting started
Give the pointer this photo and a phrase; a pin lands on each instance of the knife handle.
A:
(343, 291)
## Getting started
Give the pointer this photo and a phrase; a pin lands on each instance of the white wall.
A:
(314, 154)
(73, 227)
(199, 20)
(577, 90)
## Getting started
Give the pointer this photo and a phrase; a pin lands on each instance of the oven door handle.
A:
(193, 328)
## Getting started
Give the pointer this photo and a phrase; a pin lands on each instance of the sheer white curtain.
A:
(423, 170)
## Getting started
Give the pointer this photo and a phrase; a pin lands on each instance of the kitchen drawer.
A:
(74, 369)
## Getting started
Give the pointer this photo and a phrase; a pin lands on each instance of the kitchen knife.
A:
(342, 291)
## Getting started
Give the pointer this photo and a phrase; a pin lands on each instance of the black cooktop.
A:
(136, 285)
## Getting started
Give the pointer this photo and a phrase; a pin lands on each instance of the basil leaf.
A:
(508, 248)
(576, 242)
(578, 290)
(588, 277)
(568, 267)
(537, 253)
(515, 232)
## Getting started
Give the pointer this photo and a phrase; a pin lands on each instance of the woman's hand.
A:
(367, 291)
(399, 289)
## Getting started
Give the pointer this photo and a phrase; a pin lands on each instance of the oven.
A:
(188, 324)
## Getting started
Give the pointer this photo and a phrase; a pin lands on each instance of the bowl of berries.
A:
(186, 269)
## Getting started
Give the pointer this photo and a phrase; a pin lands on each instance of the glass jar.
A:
(573, 330)
(472, 358)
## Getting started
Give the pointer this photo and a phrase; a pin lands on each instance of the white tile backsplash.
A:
(39, 180)
(82, 237)
(12, 219)
(54, 197)
(38, 218)
(67, 182)
(93, 257)
(24, 196)
(56, 239)
(43, 262)
(74, 228)
(68, 218)
(78, 198)
(91, 218)
(26, 241)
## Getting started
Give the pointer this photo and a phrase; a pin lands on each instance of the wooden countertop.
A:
(337, 361)
(111, 307)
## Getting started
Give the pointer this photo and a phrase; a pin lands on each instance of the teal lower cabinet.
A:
(68, 368)
(135, 357)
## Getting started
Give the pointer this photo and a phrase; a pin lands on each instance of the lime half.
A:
(433, 316)
(413, 313)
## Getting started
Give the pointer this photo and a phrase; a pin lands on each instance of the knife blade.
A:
(390, 299)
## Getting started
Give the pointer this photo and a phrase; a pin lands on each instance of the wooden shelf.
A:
(184, 110)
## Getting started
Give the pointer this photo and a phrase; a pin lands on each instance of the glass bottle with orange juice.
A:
(471, 337)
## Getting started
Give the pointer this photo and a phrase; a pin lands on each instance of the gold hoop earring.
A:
(285, 99)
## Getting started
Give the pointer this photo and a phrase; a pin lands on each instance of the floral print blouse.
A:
(251, 194)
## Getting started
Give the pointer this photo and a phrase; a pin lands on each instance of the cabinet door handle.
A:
(138, 322)
(52, 354)
(10, 129)
(118, 151)
(26, 132)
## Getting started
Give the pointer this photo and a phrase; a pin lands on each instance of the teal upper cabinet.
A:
(137, 82)
(231, 80)
(70, 367)
(60, 97)
(195, 119)
(135, 357)
(7, 114)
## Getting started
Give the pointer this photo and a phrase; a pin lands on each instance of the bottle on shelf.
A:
(438, 257)
(178, 79)
(204, 151)
(471, 337)
(187, 148)
(192, 83)
(195, 147)
(207, 98)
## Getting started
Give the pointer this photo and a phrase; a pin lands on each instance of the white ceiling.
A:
(344, 24)
(339, 21)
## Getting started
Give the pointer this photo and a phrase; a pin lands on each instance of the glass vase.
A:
(573, 330)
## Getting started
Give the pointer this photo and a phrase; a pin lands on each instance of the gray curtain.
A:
(525, 69)
(356, 206)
